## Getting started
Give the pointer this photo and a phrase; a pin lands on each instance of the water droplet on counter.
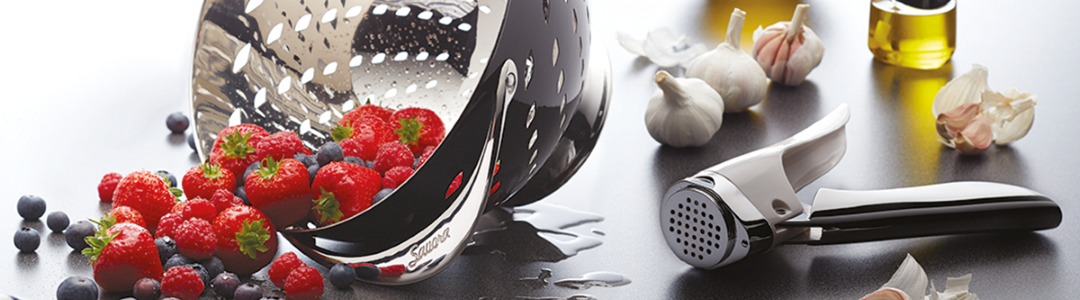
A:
(600, 279)
(539, 281)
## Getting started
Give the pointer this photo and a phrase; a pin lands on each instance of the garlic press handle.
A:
(949, 208)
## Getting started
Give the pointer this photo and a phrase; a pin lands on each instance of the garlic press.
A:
(747, 205)
(520, 84)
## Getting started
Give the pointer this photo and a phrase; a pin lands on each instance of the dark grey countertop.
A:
(87, 88)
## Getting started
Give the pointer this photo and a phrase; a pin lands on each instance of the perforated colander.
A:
(519, 85)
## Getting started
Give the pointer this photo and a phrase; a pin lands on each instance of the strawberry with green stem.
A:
(121, 254)
(234, 148)
(281, 190)
(246, 239)
(343, 190)
(418, 128)
(203, 180)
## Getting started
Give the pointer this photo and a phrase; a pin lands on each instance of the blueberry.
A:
(177, 260)
(169, 177)
(367, 271)
(312, 171)
(31, 207)
(76, 234)
(381, 195)
(342, 275)
(177, 122)
(213, 266)
(239, 192)
(416, 163)
(307, 160)
(248, 291)
(252, 168)
(77, 288)
(166, 248)
(354, 160)
(147, 289)
(27, 239)
(203, 274)
(225, 284)
(329, 152)
(370, 164)
(57, 221)
(191, 141)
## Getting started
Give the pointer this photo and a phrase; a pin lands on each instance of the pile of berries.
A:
(159, 240)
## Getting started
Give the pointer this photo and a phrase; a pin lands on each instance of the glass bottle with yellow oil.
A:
(918, 34)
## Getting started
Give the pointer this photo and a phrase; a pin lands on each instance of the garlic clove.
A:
(663, 47)
(886, 293)
(1011, 114)
(683, 112)
(956, 288)
(976, 137)
(966, 88)
(730, 71)
(788, 51)
(954, 120)
(909, 278)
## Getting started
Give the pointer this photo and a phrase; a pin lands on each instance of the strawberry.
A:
(223, 199)
(281, 145)
(124, 214)
(367, 109)
(344, 190)
(182, 282)
(121, 255)
(234, 148)
(418, 128)
(195, 208)
(201, 181)
(426, 154)
(246, 239)
(453, 185)
(367, 133)
(396, 176)
(167, 225)
(281, 190)
(146, 193)
(392, 155)
(304, 283)
(282, 266)
(392, 270)
(195, 239)
(108, 185)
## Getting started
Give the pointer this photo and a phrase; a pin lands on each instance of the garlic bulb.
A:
(970, 116)
(787, 51)
(683, 112)
(730, 71)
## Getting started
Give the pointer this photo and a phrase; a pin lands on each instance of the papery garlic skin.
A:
(910, 278)
(788, 51)
(966, 88)
(663, 47)
(730, 71)
(886, 293)
(1010, 114)
(683, 112)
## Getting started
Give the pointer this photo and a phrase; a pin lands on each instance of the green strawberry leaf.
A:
(341, 133)
(268, 168)
(176, 192)
(327, 207)
(100, 239)
(236, 145)
(211, 170)
(252, 237)
(409, 131)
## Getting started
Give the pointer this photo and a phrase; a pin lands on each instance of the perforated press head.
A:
(700, 228)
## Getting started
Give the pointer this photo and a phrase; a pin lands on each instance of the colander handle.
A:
(948, 208)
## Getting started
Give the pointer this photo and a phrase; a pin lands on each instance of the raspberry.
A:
(392, 155)
(367, 109)
(195, 208)
(282, 266)
(395, 176)
(167, 225)
(358, 148)
(304, 283)
(426, 154)
(181, 282)
(195, 238)
(281, 145)
(224, 199)
(108, 186)
(124, 214)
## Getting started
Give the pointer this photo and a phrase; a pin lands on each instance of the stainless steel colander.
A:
(518, 83)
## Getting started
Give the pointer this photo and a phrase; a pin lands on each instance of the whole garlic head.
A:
(683, 112)
(787, 51)
(730, 71)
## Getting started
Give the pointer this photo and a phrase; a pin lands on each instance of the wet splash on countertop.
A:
(550, 221)
(574, 297)
(598, 279)
(542, 226)
(540, 281)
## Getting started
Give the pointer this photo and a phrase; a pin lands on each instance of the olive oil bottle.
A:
(918, 34)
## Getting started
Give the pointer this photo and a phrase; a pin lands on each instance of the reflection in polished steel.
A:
(482, 66)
